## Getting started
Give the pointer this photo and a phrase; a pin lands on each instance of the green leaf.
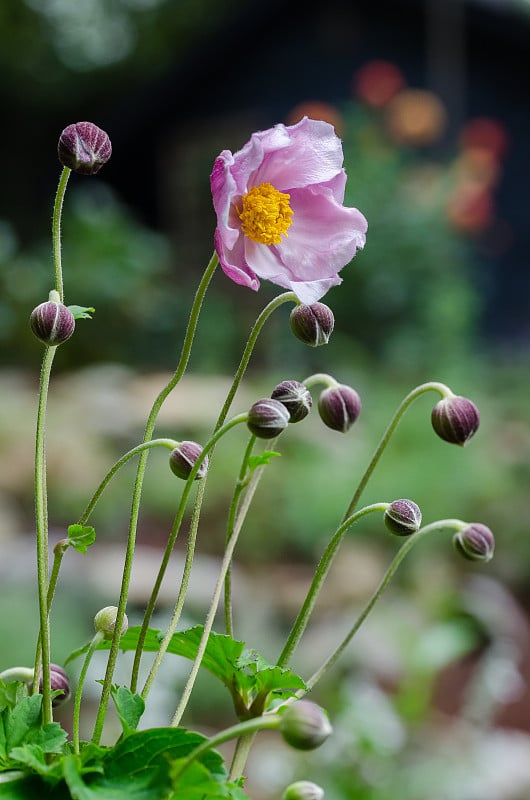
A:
(50, 737)
(22, 720)
(33, 756)
(261, 459)
(129, 706)
(80, 537)
(80, 312)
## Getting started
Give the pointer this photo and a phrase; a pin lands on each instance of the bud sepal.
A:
(295, 397)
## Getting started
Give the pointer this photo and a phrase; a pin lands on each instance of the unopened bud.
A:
(303, 790)
(183, 458)
(304, 725)
(105, 622)
(84, 148)
(476, 542)
(267, 418)
(455, 419)
(313, 324)
(403, 517)
(59, 683)
(295, 397)
(52, 322)
(339, 406)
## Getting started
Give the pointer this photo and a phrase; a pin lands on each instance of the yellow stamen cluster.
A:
(265, 214)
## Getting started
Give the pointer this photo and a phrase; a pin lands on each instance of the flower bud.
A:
(403, 517)
(305, 725)
(84, 148)
(183, 458)
(339, 406)
(313, 324)
(267, 418)
(455, 419)
(52, 322)
(475, 542)
(303, 790)
(59, 683)
(295, 397)
(105, 622)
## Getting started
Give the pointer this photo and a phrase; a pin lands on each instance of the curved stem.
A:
(318, 579)
(250, 726)
(56, 230)
(137, 492)
(169, 443)
(163, 566)
(432, 386)
(455, 524)
(240, 486)
(23, 674)
(227, 557)
(41, 520)
(80, 684)
(320, 377)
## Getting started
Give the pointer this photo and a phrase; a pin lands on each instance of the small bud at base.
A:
(403, 517)
(339, 406)
(182, 460)
(455, 419)
(304, 725)
(312, 324)
(53, 323)
(59, 683)
(475, 542)
(267, 418)
(295, 397)
(303, 790)
(105, 622)
(84, 148)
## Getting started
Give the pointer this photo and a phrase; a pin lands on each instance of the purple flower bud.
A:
(313, 324)
(339, 406)
(295, 397)
(51, 322)
(303, 790)
(476, 542)
(105, 622)
(403, 517)
(183, 458)
(84, 148)
(59, 683)
(455, 419)
(267, 418)
(304, 725)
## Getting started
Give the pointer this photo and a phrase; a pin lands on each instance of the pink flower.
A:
(280, 213)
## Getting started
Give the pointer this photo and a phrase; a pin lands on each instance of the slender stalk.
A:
(137, 492)
(239, 760)
(432, 386)
(246, 728)
(454, 524)
(239, 488)
(227, 557)
(186, 572)
(56, 230)
(41, 524)
(321, 572)
(80, 684)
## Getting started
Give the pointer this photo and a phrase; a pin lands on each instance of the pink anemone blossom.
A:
(280, 213)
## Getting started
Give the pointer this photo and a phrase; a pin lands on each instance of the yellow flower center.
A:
(265, 214)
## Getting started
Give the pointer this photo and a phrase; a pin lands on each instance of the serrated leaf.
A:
(33, 756)
(22, 720)
(129, 706)
(261, 459)
(82, 312)
(80, 537)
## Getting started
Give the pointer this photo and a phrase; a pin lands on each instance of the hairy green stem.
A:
(80, 684)
(56, 230)
(186, 572)
(432, 386)
(321, 572)
(41, 524)
(409, 543)
(227, 557)
(137, 491)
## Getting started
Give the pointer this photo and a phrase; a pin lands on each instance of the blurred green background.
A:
(427, 101)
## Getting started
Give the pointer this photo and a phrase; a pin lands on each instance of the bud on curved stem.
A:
(313, 324)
